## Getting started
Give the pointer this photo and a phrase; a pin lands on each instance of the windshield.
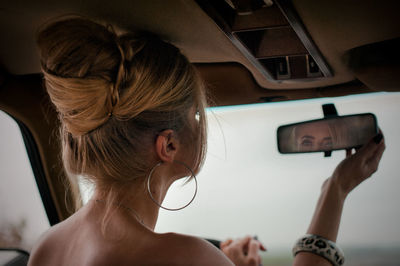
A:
(247, 187)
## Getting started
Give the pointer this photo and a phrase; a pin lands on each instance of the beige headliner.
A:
(335, 26)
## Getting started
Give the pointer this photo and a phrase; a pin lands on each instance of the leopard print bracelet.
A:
(320, 246)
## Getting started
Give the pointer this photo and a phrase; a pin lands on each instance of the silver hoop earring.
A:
(155, 201)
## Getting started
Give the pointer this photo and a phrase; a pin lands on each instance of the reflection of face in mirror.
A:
(313, 137)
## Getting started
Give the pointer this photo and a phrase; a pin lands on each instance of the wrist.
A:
(333, 187)
(326, 219)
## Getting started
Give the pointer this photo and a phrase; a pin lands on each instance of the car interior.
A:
(247, 51)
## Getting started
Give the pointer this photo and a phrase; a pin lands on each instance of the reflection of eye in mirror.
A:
(311, 137)
(309, 142)
(336, 133)
(306, 141)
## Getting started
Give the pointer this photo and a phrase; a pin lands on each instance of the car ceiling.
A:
(335, 27)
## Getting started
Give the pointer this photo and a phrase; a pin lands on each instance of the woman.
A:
(132, 121)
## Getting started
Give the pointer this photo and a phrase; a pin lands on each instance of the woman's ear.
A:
(166, 146)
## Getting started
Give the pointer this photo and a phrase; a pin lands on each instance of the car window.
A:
(247, 187)
(22, 215)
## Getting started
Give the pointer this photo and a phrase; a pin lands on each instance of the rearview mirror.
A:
(327, 134)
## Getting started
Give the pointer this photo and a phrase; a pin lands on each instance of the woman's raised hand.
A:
(353, 170)
(359, 166)
(243, 251)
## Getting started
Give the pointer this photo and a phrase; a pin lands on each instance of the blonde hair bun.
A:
(80, 61)
(114, 94)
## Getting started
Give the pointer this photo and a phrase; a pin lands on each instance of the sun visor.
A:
(377, 65)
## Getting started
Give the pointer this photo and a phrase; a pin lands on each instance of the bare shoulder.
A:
(36, 253)
(189, 250)
(39, 254)
(72, 242)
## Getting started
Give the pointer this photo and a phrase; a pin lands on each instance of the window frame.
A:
(38, 171)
